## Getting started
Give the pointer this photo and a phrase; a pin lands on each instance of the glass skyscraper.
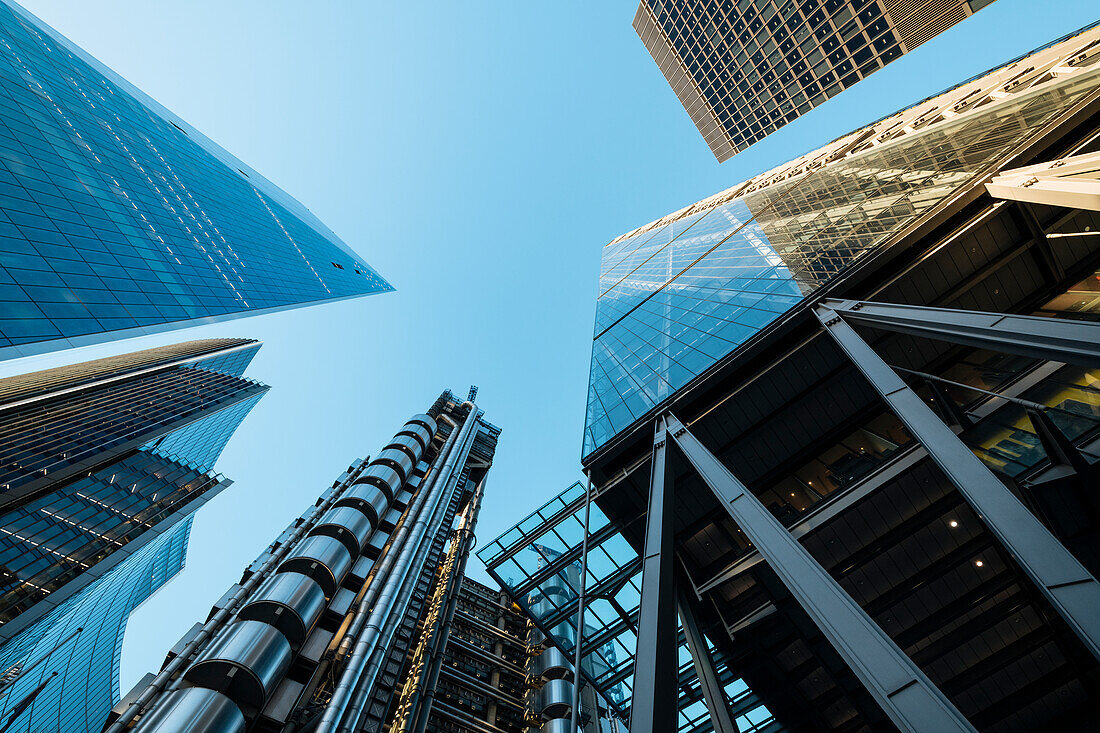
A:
(81, 640)
(679, 294)
(744, 69)
(844, 432)
(104, 465)
(117, 218)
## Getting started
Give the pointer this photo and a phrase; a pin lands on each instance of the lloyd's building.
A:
(842, 434)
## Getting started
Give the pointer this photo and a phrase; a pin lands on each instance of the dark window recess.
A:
(178, 127)
(337, 266)
(242, 173)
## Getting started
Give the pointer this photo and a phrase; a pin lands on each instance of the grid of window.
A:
(63, 434)
(756, 65)
(762, 64)
(113, 216)
(55, 538)
(87, 685)
(34, 384)
(199, 444)
(677, 298)
(538, 563)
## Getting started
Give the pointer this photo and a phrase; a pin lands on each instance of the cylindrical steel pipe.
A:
(194, 709)
(245, 664)
(464, 536)
(403, 583)
(291, 602)
(393, 570)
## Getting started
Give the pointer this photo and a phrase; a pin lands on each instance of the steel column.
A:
(582, 599)
(903, 691)
(713, 694)
(1065, 582)
(653, 707)
(1054, 339)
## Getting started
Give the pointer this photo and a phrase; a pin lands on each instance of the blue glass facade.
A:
(199, 444)
(678, 295)
(78, 699)
(538, 563)
(118, 218)
(104, 465)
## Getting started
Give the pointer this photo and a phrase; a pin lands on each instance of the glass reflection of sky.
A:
(538, 562)
(677, 297)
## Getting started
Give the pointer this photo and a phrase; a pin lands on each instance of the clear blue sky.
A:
(478, 155)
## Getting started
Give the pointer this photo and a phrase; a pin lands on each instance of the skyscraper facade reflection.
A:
(117, 218)
(105, 464)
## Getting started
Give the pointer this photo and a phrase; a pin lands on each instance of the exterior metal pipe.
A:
(439, 641)
(385, 632)
(215, 623)
(395, 597)
(575, 714)
(341, 696)
(395, 543)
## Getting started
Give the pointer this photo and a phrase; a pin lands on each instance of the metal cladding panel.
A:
(557, 725)
(408, 443)
(397, 459)
(368, 499)
(349, 525)
(324, 559)
(551, 664)
(420, 432)
(383, 477)
(554, 698)
(291, 602)
(427, 421)
(195, 710)
(246, 663)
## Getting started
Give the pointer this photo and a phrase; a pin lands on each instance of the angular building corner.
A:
(104, 465)
(843, 427)
(119, 219)
(744, 69)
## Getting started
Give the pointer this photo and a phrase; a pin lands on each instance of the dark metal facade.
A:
(358, 618)
(883, 516)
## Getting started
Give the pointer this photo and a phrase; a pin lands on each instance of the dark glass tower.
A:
(104, 464)
(844, 433)
(744, 69)
(117, 218)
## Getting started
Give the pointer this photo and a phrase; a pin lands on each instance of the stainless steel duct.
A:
(195, 708)
(245, 664)
(291, 602)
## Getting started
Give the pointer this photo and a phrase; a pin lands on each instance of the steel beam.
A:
(713, 694)
(903, 691)
(1064, 581)
(1053, 339)
(653, 707)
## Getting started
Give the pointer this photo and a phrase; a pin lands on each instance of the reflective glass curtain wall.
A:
(678, 296)
(86, 662)
(97, 459)
(118, 218)
(538, 563)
